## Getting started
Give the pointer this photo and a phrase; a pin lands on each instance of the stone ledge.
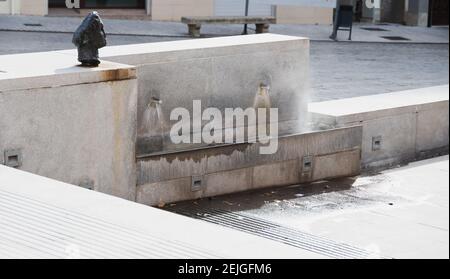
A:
(52, 69)
(398, 127)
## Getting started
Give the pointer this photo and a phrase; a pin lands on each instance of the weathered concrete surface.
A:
(228, 169)
(182, 71)
(43, 218)
(73, 124)
(397, 127)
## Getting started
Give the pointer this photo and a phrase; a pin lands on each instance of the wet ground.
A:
(400, 213)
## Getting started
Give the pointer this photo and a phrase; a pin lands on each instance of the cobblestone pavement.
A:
(338, 70)
(343, 70)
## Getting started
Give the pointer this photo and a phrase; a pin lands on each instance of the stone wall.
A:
(235, 168)
(222, 73)
(73, 124)
(397, 127)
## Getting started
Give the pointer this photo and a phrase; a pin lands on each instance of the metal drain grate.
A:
(33, 24)
(395, 38)
(374, 29)
(276, 232)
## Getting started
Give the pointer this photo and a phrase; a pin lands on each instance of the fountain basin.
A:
(206, 172)
(223, 72)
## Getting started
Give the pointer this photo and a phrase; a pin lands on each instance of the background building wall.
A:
(173, 10)
(263, 7)
(24, 7)
(34, 7)
(289, 14)
(5, 7)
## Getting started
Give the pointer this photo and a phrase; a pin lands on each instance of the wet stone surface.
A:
(318, 198)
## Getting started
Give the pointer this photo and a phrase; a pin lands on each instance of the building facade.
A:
(410, 12)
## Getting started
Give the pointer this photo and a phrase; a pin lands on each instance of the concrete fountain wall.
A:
(226, 73)
(234, 168)
(73, 124)
(221, 72)
(79, 125)
(398, 127)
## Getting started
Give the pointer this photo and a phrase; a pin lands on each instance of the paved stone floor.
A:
(399, 213)
(344, 70)
(338, 70)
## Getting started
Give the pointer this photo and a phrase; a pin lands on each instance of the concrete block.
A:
(396, 136)
(397, 127)
(73, 124)
(227, 182)
(279, 174)
(163, 192)
(170, 166)
(432, 128)
(341, 164)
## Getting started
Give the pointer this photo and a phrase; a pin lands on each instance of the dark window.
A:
(438, 13)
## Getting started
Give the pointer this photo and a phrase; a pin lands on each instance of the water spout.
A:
(151, 130)
(262, 98)
(262, 101)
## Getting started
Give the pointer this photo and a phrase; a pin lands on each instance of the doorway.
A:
(438, 12)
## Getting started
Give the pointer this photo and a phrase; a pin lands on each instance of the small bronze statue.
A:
(88, 38)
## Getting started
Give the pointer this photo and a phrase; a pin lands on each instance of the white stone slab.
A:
(52, 69)
(198, 47)
(381, 105)
(43, 218)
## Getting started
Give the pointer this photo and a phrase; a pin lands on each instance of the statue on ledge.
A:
(88, 38)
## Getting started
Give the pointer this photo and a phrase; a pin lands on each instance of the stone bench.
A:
(194, 23)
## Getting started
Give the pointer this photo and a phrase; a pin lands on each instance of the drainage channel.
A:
(280, 233)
